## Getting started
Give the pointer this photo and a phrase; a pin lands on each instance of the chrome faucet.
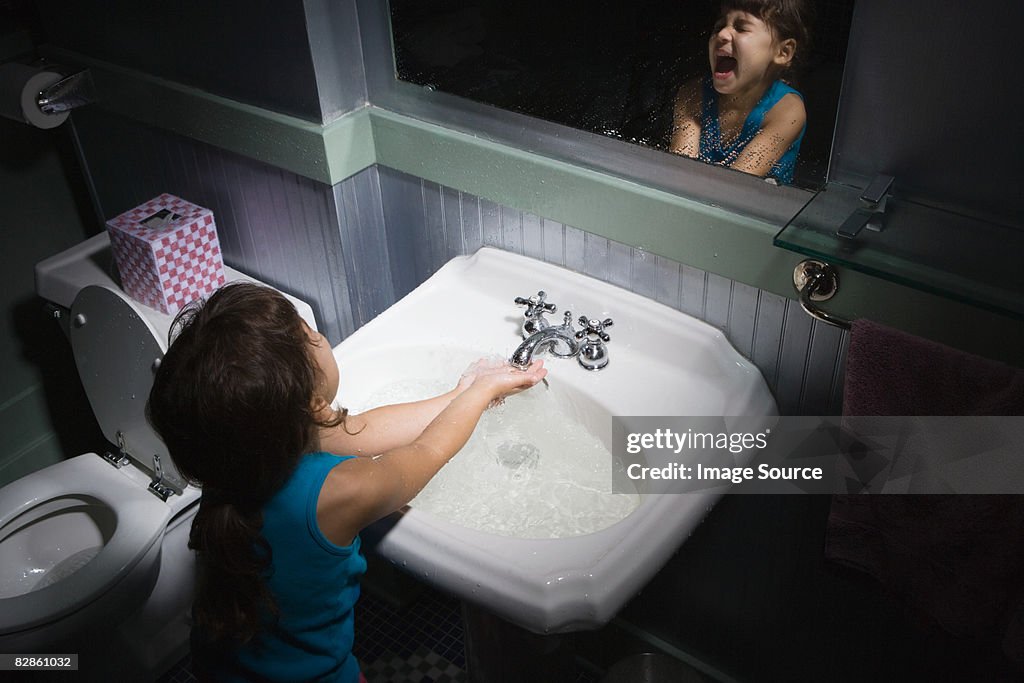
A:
(587, 345)
(550, 339)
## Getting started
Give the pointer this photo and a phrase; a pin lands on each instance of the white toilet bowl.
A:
(93, 550)
(79, 534)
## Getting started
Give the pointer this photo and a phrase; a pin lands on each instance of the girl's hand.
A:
(499, 379)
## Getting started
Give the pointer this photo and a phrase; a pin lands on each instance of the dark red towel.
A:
(959, 559)
(889, 372)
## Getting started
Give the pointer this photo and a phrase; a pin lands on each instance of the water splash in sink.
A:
(517, 456)
(530, 470)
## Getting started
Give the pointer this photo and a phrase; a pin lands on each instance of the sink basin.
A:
(523, 521)
(538, 466)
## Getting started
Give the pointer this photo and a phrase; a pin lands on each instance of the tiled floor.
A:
(419, 643)
(422, 642)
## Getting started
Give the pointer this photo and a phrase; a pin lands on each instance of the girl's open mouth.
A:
(724, 66)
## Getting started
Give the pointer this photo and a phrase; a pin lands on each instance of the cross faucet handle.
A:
(593, 326)
(535, 305)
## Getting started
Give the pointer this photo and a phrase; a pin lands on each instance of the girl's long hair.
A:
(233, 400)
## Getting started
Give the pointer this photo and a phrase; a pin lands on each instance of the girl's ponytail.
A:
(232, 599)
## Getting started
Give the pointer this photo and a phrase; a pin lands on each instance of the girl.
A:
(742, 114)
(242, 399)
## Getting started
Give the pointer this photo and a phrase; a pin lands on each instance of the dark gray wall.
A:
(44, 416)
(270, 53)
(932, 95)
(751, 593)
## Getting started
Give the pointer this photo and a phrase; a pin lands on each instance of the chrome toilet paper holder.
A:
(68, 93)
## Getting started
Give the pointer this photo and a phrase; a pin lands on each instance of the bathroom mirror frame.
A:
(725, 188)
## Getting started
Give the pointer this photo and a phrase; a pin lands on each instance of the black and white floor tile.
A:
(418, 643)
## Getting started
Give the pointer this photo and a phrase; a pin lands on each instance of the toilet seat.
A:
(140, 521)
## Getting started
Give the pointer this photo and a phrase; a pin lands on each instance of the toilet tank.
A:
(59, 279)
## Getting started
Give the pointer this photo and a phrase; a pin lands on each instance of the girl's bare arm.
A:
(384, 428)
(387, 427)
(782, 125)
(360, 491)
(686, 120)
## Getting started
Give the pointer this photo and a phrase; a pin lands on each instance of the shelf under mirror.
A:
(939, 251)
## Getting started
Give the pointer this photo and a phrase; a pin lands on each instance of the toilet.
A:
(94, 556)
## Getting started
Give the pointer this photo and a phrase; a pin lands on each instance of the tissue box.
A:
(167, 252)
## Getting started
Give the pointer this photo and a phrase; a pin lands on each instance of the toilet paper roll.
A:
(20, 85)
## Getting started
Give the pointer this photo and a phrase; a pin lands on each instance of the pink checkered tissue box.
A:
(167, 252)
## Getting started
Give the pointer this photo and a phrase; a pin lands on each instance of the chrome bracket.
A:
(817, 281)
(873, 201)
(158, 487)
(119, 459)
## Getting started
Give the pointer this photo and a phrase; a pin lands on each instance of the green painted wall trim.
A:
(695, 234)
(699, 235)
(326, 153)
(656, 221)
(689, 232)
(348, 145)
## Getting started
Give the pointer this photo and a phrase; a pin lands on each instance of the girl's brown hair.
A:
(233, 402)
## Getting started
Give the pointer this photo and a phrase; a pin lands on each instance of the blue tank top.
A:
(711, 148)
(315, 584)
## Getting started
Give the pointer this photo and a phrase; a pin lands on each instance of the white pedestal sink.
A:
(558, 577)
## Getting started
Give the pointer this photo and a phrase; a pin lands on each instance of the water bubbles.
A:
(530, 469)
(516, 455)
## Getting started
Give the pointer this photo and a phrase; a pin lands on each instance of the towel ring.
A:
(817, 281)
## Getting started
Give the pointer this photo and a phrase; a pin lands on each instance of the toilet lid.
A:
(117, 351)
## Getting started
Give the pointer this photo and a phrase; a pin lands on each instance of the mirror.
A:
(605, 66)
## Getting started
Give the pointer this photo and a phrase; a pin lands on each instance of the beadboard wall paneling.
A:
(801, 359)
(353, 249)
(273, 225)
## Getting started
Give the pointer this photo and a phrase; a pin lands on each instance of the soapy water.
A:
(528, 471)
